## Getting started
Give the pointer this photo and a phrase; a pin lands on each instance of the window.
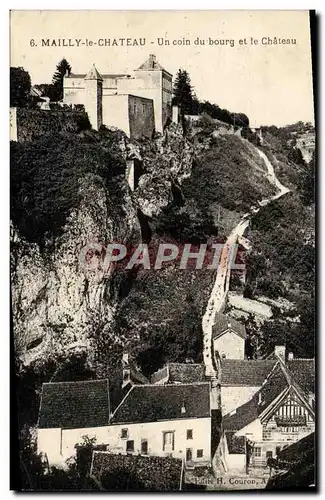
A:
(189, 434)
(168, 441)
(199, 453)
(269, 454)
(188, 454)
(267, 434)
(256, 452)
(290, 430)
(129, 446)
(124, 433)
(144, 447)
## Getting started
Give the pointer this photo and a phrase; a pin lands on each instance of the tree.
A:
(240, 120)
(20, 85)
(307, 184)
(183, 95)
(62, 68)
(48, 90)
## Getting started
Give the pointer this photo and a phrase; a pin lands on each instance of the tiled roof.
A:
(93, 74)
(136, 472)
(249, 411)
(137, 377)
(303, 372)
(104, 76)
(185, 373)
(151, 64)
(159, 375)
(224, 323)
(278, 379)
(236, 444)
(150, 403)
(74, 405)
(246, 373)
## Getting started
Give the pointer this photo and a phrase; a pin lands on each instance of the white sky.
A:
(271, 84)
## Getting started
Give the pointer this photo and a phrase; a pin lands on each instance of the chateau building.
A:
(138, 104)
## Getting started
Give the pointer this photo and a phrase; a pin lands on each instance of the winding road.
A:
(218, 296)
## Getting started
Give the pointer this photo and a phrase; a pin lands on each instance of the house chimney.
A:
(126, 369)
(290, 356)
(125, 359)
(152, 60)
(183, 409)
(280, 351)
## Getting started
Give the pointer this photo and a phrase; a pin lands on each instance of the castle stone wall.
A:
(115, 112)
(29, 124)
(141, 117)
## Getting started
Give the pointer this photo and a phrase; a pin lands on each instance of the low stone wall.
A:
(28, 124)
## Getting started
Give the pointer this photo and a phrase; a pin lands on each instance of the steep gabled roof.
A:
(245, 373)
(151, 403)
(93, 74)
(137, 472)
(185, 373)
(150, 63)
(303, 372)
(276, 387)
(74, 405)
(224, 323)
(137, 377)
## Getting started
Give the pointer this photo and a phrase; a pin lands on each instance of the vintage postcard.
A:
(162, 250)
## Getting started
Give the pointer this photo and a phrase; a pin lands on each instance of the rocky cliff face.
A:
(58, 308)
(58, 298)
(56, 304)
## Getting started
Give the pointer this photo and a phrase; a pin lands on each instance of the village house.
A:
(240, 379)
(153, 420)
(179, 373)
(69, 411)
(280, 413)
(164, 420)
(138, 103)
(228, 336)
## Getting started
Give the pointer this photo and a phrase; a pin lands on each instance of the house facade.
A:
(240, 379)
(164, 420)
(228, 336)
(159, 421)
(69, 411)
(279, 414)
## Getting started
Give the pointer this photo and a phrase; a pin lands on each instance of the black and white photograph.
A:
(162, 250)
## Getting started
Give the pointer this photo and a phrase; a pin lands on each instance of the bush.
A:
(46, 176)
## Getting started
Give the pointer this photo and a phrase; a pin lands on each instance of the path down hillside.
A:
(218, 296)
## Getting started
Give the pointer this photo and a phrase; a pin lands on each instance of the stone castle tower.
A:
(158, 84)
(94, 97)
